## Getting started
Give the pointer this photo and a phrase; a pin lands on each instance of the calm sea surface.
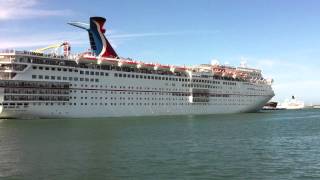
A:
(267, 145)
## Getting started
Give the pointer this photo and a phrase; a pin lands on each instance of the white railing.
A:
(30, 53)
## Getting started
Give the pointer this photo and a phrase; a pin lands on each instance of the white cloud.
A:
(22, 9)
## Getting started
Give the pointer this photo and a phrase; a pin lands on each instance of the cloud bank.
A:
(25, 9)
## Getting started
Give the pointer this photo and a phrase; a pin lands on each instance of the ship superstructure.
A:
(99, 83)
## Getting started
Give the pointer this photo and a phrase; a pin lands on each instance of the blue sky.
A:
(280, 37)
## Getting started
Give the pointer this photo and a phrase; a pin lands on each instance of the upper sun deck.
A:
(12, 52)
(87, 60)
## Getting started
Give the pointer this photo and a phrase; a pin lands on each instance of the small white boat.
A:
(291, 104)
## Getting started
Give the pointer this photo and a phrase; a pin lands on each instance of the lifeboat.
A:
(163, 67)
(156, 67)
(243, 75)
(172, 69)
(219, 71)
(180, 69)
(86, 58)
(229, 73)
(234, 75)
(108, 61)
(148, 65)
(130, 63)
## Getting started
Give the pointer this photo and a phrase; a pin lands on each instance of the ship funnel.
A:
(98, 42)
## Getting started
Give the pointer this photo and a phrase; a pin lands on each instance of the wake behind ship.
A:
(99, 83)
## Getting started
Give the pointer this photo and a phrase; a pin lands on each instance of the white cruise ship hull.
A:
(98, 112)
(109, 95)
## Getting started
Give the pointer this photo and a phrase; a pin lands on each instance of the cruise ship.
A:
(99, 83)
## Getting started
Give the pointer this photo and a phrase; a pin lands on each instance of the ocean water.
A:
(266, 145)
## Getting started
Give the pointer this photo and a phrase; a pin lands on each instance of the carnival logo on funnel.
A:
(98, 42)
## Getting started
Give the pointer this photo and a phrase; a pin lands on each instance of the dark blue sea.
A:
(266, 145)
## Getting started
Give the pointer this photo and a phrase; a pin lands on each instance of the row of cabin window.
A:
(129, 98)
(213, 82)
(137, 93)
(72, 70)
(13, 104)
(35, 98)
(112, 104)
(167, 98)
(135, 104)
(16, 105)
(63, 103)
(24, 84)
(201, 86)
(149, 77)
(35, 91)
(205, 81)
(92, 73)
(64, 78)
(54, 69)
(170, 79)
(130, 87)
(230, 83)
(254, 89)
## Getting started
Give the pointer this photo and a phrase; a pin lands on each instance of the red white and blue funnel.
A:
(98, 42)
